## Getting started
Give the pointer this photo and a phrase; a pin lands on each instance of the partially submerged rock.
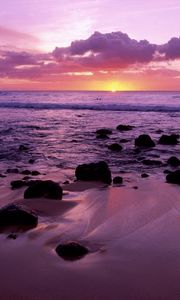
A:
(144, 140)
(17, 184)
(102, 136)
(144, 175)
(17, 216)
(173, 177)
(118, 180)
(174, 161)
(115, 147)
(71, 251)
(169, 139)
(104, 131)
(123, 127)
(94, 172)
(47, 189)
(23, 148)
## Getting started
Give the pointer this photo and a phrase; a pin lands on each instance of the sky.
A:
(90, 44)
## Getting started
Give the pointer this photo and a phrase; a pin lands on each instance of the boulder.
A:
(104, 131)
(47, 189)
(174, 161)
(173, 177)
(94, 172)
(71, 251)
(115, 147)
(14, 215)
(168, 139)
(124, 141)
(35, 173)
(23, 148)
(144, 140)
(17, 184)
(26, 172)
(144, 175)
(12, 171)
(117, 180)
(122, 127)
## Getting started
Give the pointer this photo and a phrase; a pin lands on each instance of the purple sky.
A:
(57, 22)
(38, 27)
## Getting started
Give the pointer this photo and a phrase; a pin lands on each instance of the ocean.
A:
(58, 128)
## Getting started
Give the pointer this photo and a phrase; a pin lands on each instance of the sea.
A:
(58, 128)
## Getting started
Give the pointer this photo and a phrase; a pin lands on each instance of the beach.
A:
(133, 237)
(130, 229)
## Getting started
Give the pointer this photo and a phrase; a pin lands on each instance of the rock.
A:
(35, 173)
(135, 187)
(117, 180)
(31, 161)
(168, 139)
(17, 184)
(104, 131)
(23, 148)
(18, 216)
(26, 178)
(115, 147)
(48, 189)
(102, 136)
(12, 171)
(12, 236)
(144, 140)
(94, 172)
(152, 162)
(66, 182)
(26, 172)
(173, 161)
(71, 251)
(124, 127)
(144, 175)
(173, 177)
(2, 176)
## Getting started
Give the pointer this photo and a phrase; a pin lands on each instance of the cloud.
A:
(114, 49)
(99, 55)
(171, 50)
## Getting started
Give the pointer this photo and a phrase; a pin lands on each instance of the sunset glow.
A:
(90, 45)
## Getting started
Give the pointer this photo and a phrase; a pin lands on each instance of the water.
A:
(59, 128)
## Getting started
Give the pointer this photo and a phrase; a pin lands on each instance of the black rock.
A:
(174, 161)
(151, 162)
(2, 176)
(168, 139)
(31, 161)
(102, 136)
(66, 182)
(12, 236)
(115, 147)
(26, 178)
(104, 131)
(48, 189)
(173, 177)
(94, 172)
(122, 127)
(144, 140)
(71, 251)
(35, 173)
(117, 180)
(23, 148)
(12, 171)
(17, 184)
(26, 172)
(144, 175)
(16, 215)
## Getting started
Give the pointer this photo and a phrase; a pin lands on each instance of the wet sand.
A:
(133, 237)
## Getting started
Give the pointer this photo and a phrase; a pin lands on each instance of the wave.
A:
(98, 107)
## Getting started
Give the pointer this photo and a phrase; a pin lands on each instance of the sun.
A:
(113, 90)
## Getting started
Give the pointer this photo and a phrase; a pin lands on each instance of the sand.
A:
(133, 235)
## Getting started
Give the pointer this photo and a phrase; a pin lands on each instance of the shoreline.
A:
(132, 234)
